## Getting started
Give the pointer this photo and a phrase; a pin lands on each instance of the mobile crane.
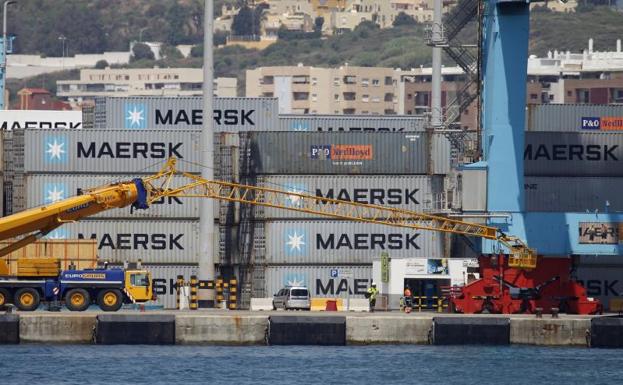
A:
(140, 193)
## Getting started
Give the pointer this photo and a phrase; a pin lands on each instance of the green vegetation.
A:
(564, 31)
(96, 25)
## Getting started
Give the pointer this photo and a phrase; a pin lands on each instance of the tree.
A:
(170, 52)
(248, 21)
(101, 64)
(242, 25)
(141, 51)
(318, 22)
(403, 19)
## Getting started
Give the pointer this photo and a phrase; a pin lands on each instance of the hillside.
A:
(98, 25)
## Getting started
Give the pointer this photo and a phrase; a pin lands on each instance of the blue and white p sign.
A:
(334, 273)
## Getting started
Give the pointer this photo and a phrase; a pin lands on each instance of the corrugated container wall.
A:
(319, 281)
(339, 153)
(343, 242)
(110, 151)
(416, 192)
(47, 188)
(175, 113)
(573, 154)
(164, 281)
(354, 123)
(577, 194)
(152, 241)
(573, 117)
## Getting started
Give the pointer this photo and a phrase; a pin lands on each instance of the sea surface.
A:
(380, 365)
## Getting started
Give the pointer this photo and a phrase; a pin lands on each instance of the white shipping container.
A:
(152, 241)
(180, 113)
(414, 192)
(339, 242)
(322, 281)
(40, 119)
(110, 151)
(48, 188)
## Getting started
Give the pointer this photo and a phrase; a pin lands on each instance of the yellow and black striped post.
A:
(219, 291)
(419, 303)
(225, 292)
(178, 290)
(233, 293)
(194, 298)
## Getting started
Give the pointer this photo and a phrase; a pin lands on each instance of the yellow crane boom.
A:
(140, 193)
(160, 185)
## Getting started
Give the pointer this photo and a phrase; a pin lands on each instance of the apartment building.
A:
(313, 90)
(561, 77)
(141, 82)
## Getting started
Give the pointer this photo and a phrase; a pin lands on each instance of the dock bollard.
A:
(178, 290)
(439, 305)
(233, 292)
(194, 298)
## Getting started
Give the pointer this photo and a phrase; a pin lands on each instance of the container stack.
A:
(332, 257)
(59, 163)
(391, 161)
(574, 163)
(573, 158)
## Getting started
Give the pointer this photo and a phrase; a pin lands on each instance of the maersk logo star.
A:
(59, 233)
(53, 192)
(55, 149)
(295, 242)
(294, 279)
(295, 200)
(135, 116)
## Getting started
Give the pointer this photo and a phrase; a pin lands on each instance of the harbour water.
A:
(393, 364)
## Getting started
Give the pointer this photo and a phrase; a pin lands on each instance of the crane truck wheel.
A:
(77, 300)
(27, 299)
(109, 300)
(4, 297)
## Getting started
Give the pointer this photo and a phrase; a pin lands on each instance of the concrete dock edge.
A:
(387, 330)
(549, 332)
(220, 330)
(57, 328)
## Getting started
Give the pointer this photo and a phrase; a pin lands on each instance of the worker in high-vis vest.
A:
(371, 294)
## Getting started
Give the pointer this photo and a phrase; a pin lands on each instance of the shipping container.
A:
(339, 153)
(43, 189)
(164, 281)
(81, 253)
(601, 275)
(344, 242)
(574, 117)
(110, 151)
(40, 119)
(569, 194)
(322, 281)
(173, 113)
(414, 192)
(152, 241)
(354, 123)
(573, 154)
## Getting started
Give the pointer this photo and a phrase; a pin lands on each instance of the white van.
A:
(292, 297)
